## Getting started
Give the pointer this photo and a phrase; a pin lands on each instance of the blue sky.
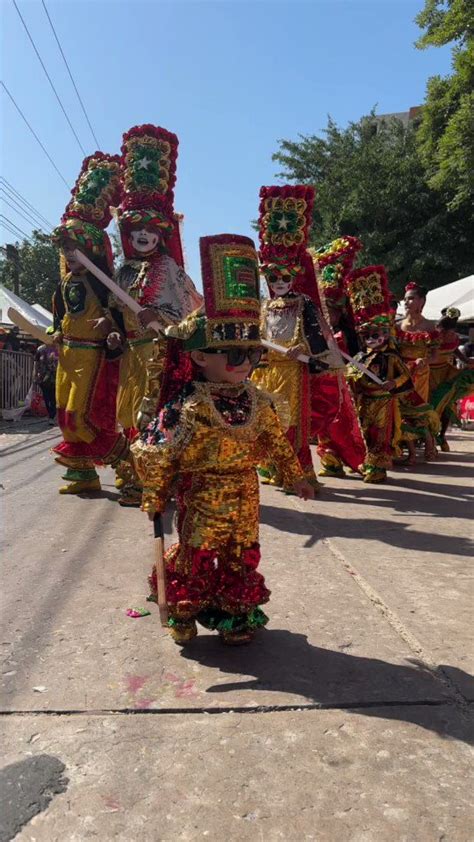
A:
(230, 77)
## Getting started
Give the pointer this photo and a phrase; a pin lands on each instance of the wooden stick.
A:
(305, 359)
(160, 568)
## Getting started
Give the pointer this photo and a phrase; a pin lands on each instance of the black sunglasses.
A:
(237, 356)
(375, 335)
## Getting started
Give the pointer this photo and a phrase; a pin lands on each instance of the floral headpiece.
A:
(88, 212)
(149, 156)
(332, 263)
(285, 216)
(369, 296)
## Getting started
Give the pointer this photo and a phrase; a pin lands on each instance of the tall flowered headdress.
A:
(88, 212)
(149, 156)
(231, 312)
(332, 263)
(285, 216)
(369, 297)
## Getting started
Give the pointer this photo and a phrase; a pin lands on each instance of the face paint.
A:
(144, 241)
(279, 284)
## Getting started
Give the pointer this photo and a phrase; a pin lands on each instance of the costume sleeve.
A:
(157, 467)
(311, 328)
(277, 449)
(100, 290)
(401, 376)
(59, 310)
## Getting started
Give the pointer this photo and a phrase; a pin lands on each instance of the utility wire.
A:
(34, 133)
(30, 220)
(48, 77)
(70, 74)
(12, 224)
(17, 197)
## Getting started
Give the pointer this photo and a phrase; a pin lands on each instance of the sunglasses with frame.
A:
(237, 356)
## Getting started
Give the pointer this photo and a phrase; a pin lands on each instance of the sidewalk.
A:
(347, 720)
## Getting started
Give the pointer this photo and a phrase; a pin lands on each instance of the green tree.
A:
(38, 267)
(446, 132)
(371, 182)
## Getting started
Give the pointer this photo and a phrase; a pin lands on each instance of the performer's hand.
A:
(304, 489)
(388, 385)
(146, 316)
(57, 338)
(103, 324)
(114, 340)
(293, 353)
(421, 363)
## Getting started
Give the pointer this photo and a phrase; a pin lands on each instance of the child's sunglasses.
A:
(237, 356)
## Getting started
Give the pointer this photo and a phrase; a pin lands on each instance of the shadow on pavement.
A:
(316, 527)
(284, 662)
(423, 499)
(28, 788)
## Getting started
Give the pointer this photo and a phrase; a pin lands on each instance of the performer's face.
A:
(279, 284)
(144, 240)
(376, 338)
(414, 303)
(218, 368)
(73, 264)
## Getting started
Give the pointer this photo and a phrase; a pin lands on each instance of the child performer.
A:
(152, 274)
(86, 377)
(369, 298)
(204, 447)
(290, 318)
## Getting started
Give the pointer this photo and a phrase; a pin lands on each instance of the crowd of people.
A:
(193, 396)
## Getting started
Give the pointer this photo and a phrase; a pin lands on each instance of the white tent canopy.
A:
(40, 317)
(458, 294)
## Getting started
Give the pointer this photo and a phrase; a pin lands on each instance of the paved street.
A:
(346, 721)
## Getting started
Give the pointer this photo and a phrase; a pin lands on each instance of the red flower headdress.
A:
(369, 296)
(88, 212)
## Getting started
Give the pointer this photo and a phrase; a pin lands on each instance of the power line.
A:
(48, 77)
(17, 196)
(34, 133)
(70, 74)
(12, 224)
(30, 220)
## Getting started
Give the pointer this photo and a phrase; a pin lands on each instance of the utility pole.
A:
(12, 254)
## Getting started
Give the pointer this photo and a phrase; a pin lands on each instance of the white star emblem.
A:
(144, 163)
(283, 223)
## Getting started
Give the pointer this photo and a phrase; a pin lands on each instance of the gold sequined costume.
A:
(206, 447)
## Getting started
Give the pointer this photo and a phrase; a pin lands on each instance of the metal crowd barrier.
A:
(16, 377)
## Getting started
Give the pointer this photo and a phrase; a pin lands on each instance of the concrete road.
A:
(347, 720)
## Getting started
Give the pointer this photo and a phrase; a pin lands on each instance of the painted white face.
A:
(144, 241)
(279, 284)
(376, 339)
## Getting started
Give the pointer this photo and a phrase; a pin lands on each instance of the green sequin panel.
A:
(284, 222)
(241, 277)
(91, 186)
(146, 166)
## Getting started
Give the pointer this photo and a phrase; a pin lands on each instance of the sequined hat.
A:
(149, 156)
(285, 216)
(332, 263)
(88, 212)
(369, 297)
(231, 312)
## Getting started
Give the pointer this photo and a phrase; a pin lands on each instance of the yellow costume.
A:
(87, 372)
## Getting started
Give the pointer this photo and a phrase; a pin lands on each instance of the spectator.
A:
(44, 376)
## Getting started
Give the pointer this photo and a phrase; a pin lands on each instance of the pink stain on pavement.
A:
(135, 682)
